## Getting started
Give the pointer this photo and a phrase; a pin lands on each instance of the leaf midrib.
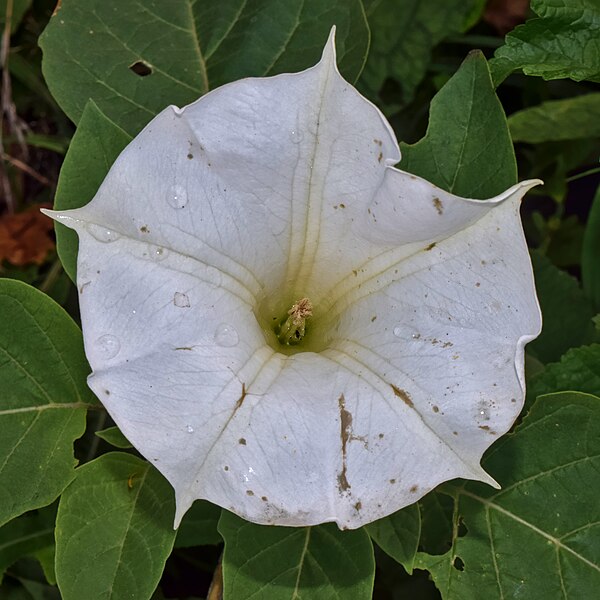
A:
(556, 541)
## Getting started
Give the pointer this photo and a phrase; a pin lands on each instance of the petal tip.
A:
(484, 477)
(329, 51)
(60, 216)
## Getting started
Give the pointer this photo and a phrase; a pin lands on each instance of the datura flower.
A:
(288, 326)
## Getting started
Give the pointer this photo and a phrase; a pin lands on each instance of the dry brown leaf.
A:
(505, 15)
(25, 237)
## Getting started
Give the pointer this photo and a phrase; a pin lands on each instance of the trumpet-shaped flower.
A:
(288, 326)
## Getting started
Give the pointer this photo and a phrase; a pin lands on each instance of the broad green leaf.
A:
(95, 146)
(563, 42)
(405, 33)
(568, 119)
(590, 255)
(19, 8)
(114, 530)
(467, 149)
(304, 563)
(46, 557)
(135, 58)
(199, 526)
(398, 535)
(44, 398)
(25, 536)
(537, 537)
(566, 313)
(436, 522)
(115, 437)
(578, 370)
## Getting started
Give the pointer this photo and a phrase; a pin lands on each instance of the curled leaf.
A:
(288, 326)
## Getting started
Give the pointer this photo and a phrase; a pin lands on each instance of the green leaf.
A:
(46, 557)
(403, 38)
(566, 313)
(180, 50)
(285, 563)
(114, 530)
(537, 537)
(113, 436)
(467, 149)
(568, 119)
(564, 42)
(590, 254)
(398, 535)
(199, 526)
(578, 370)
(25, 536)
(44, 398)
(95, 146)
(19, 8)
(436, 522)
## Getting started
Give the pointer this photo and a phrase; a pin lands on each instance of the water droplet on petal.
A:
(398, 332)
(189, 429)
(296, 136)
(177, 197)
(108, 346)
(226, 336)
(102, 234)
(181, 300)
(483, 413)
(157, 254)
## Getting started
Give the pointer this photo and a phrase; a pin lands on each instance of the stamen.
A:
(294, 328)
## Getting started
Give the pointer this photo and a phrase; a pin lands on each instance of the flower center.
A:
(291, 331)
(292, 327)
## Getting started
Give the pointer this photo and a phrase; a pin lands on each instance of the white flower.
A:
(286, 325)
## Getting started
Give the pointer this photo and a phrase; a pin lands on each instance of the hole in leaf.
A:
(141, 68)
(458, 563)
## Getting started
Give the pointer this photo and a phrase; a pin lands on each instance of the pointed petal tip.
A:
(329, 51)
(53, 214)
(65, 217)
(481, 475)
(182, 505)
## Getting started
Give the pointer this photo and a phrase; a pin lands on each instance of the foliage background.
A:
(102, 528)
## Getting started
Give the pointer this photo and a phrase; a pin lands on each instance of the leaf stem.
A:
(584, 174)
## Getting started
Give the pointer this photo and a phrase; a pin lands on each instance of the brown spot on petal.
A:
(242, 441)
(402, 395)
(439, 207)
(430, 247)
(435, 408)
(345, 433)
(250, 492)
(413, 489)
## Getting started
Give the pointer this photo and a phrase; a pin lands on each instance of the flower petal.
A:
(214, 220)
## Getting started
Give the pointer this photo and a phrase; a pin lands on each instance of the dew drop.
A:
(483, 413)
(157, 254)
(102, 234)
(108, 346)
(296, 136)
(189, 429)
(177, 197)
(226, 336)
(181, 300)
(398, 332)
